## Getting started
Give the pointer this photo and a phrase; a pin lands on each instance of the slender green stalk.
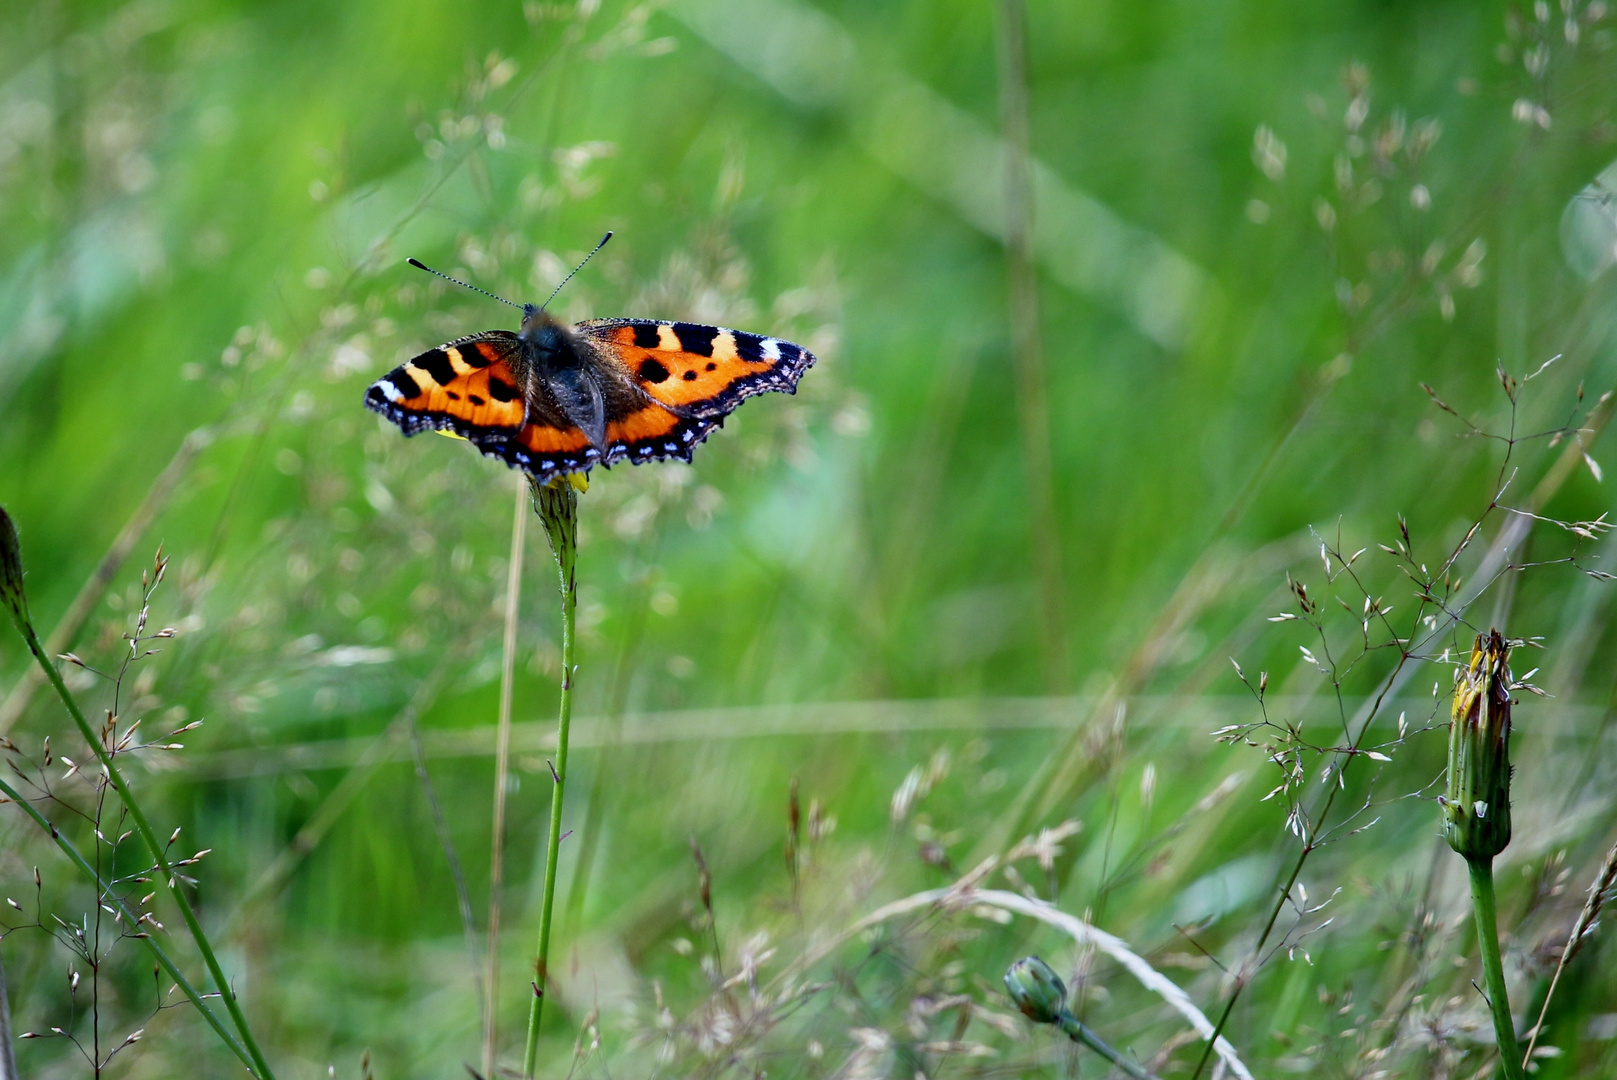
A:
(1079, 1031)
(108, 896)
(1476, 810)
(556, 503)
(1041, 996)
(1493, 970)
(153, 845)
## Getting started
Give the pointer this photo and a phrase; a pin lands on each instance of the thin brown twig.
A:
(1604, 880)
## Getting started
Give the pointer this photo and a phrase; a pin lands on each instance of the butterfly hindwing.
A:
(651, 433)
(700, 371)
(468, 387)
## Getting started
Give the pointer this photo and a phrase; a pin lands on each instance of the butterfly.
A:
(552, 398)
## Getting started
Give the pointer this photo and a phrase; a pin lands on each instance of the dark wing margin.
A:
(649, 434)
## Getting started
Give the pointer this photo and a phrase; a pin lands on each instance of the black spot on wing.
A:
(435, 362)
(696, 339)
(647, 335)
(406, 386)
(690, 376)
(652, 371)
(779, 371)
(500, 390)
(475, 400)
(478, 355)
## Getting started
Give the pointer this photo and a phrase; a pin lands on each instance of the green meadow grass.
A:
(1259, 229)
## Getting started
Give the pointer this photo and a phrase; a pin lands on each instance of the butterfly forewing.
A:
(698, 370)
(468, 387)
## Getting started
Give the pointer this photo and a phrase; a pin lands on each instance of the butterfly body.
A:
(553, 398)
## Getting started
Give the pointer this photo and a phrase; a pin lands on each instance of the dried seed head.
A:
(704, 878)
(1036, 990)
(11, 587)
(794, 828)
(1476, 808)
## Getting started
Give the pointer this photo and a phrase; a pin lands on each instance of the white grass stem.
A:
(1081, 932)
(502, 772)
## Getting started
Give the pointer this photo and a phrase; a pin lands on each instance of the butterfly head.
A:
(534, 321)
(548, 336)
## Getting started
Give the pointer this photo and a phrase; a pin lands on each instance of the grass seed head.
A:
(1476, 808)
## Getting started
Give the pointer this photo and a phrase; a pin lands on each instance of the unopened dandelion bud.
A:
(11, 588)
(1036, 990)
(1476, 807)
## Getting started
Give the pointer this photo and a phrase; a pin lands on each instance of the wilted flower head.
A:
(11, 589)
(1476, 808)
(1036, 990)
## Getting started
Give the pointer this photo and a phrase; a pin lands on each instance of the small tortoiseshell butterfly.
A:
(553, 399)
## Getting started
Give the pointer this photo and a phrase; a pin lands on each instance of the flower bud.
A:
(11, 590)
(1476, 808)
(1036, 990)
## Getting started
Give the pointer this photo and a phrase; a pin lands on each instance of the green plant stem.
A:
(1493, 970)
(1081, 1032)
(557, 507)
(153, 846)
(108, 896)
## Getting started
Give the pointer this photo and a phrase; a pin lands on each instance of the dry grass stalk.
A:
(1581, 929)
(963, 894)
(502, 772)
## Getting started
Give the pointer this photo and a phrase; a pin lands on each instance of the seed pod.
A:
(1476, 808)
(1036, 990)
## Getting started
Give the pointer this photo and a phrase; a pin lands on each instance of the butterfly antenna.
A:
(419, 265)
(576, 269)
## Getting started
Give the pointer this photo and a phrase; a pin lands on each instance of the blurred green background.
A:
(1257, 229)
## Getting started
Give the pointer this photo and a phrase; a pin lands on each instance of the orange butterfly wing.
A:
(468, 387)
(693, 376)
(696, 370)
(652, 433)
